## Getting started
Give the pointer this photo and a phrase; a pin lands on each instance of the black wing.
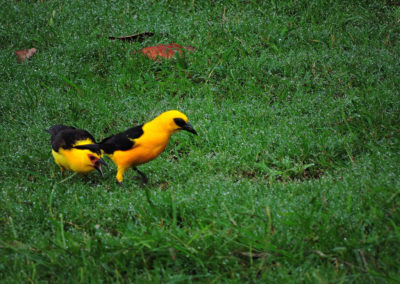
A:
(66, 136)
(121, 141)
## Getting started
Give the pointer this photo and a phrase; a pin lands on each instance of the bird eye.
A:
(92, 158)
(180, 122)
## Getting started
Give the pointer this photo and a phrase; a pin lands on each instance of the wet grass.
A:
(294, 176)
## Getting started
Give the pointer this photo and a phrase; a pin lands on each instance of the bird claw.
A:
(142, 177)
(144, 180)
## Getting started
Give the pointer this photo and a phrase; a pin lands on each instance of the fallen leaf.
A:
(164, 50)
(320, 253)
(135, 37)
(172, 252)
(387, 40)
(253, 254)
(24, 54)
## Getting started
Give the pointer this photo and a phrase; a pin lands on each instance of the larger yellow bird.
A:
(65, 141)
(143, 143)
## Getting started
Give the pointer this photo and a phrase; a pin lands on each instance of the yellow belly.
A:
(138, 155)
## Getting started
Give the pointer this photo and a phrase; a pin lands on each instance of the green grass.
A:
(294, 176)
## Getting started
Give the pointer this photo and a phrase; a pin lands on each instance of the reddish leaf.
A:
(164, 50)
(134, 37)
(24, 54)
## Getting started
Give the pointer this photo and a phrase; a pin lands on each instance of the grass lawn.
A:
(295, 174)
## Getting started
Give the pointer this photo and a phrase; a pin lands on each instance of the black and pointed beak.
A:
(103, 162)
(189, 127)
(97, 166)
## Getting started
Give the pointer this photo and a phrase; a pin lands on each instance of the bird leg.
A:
(144, 178)
(120, 175)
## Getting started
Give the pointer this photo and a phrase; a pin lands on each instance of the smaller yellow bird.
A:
(64, 142)
(143, 143)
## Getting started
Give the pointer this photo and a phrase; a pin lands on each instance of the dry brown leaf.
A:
(135, 37)
(164, 50)
(24, 54)
(253, 254)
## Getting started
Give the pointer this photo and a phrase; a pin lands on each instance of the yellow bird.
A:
(65, 141)
(143, 143)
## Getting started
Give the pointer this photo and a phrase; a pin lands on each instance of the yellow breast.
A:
(146, 148)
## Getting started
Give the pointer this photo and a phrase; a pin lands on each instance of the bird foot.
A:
(142, 179)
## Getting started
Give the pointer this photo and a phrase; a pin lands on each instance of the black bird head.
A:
(184, 125)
